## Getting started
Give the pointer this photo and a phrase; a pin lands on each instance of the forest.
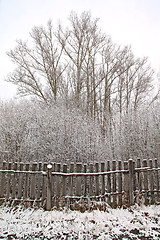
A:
(83, 98)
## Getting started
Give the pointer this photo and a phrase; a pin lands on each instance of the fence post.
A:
(131, 182)
(49, 188)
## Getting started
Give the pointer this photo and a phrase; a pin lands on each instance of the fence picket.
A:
(14, 181)
(8, 185)
(97, 179)
(131, 182)
(20, 181)
(49, 188)
(103, 178)
(126, 185)
(26, 185)
(3, 180)
(157, 181)
(134, 176)
(70, 182)
(145, 182)
(78, 179)
(64, 180)
(44, 188)
(108, 183)
(91, 180)
(39, 181)
(85, 180)
(120, 184)
(151, 182)
(114, 185)
(138, 182)
(33, 181)
(58, 181)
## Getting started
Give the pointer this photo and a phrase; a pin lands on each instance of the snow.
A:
(135, 222)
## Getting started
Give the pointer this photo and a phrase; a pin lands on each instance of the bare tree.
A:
(81, 43)
(39, 69)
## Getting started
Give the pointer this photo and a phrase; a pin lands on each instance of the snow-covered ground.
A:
(132, 223)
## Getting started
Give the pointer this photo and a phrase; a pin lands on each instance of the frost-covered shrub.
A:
(34, 132)
(137, 135)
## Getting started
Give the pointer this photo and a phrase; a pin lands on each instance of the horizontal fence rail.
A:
(81, 186)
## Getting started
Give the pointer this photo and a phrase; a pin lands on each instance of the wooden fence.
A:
(81, 186)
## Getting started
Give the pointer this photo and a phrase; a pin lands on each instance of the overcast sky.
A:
(131, 22)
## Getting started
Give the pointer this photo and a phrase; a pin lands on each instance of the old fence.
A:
(81, 186)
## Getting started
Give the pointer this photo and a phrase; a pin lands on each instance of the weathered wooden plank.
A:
(126, 185)
(114, 184)
(91, 191)
(145, 182)
(157, 179)
(14, 181)
(8, 185)
(39, 181)
(26, 182)
(78, 179)
(58, 181)
(85, 181)
(103, 178)
(70, 182)
(20, 182)
(120, 184)
(49, 188)
(138, 182)
(3, 180)
(108, 183)
(131, 182)
(97, 179)
(53, 180)
(44, 185)
(134, 177)
(33, 181)
(64, 178)
(151, 182)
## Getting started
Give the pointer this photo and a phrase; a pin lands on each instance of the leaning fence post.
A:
(131, 182)
(49, 188)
